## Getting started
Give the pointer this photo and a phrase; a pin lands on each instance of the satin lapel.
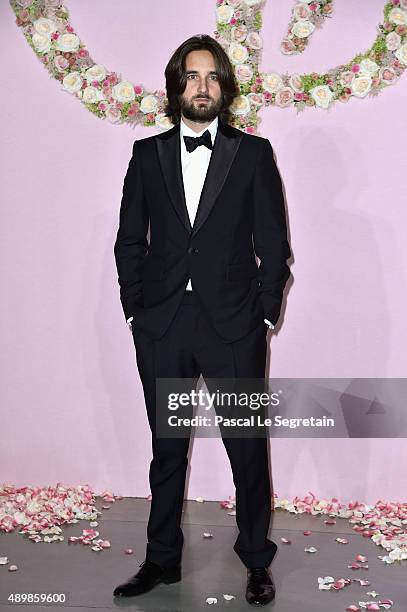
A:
(226, 144)
(225, 147)
(169, 154)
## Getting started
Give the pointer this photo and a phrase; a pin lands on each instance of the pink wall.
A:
(72, 403)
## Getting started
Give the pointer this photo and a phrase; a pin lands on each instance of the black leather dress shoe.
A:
(146, 578)
(260, 588)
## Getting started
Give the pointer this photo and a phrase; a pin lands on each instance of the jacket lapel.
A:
(225, 147)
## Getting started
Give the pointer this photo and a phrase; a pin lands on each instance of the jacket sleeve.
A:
(270, 232)
(131, 244)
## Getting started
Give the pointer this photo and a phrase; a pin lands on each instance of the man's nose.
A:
(203, 86)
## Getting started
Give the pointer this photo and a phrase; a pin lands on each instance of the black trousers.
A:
(191, 347)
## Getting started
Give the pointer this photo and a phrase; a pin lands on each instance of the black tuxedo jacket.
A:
(240, 214)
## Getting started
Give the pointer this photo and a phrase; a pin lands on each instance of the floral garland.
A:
(306, 16)
(46, 27)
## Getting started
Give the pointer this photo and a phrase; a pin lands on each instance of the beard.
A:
(201, 112)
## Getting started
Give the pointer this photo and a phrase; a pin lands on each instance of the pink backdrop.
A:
(72, 402)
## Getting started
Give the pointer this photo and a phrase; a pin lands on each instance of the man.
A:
(194, 295)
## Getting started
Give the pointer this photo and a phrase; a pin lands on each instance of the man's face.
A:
(201, 100)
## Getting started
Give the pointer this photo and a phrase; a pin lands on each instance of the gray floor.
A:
(210, 566)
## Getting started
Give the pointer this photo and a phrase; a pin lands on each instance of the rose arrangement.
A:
(306, 16)
(47, 29)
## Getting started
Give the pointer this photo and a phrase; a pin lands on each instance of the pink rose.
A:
(254, 41)
(243, 73)
(287, 46)
(284, 97)
(113, 114)
(61, 63)
(388, 74)
(23, 16)
(301, 11)
(138, 90)
(239, 33)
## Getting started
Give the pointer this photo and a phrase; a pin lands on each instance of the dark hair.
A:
(176, 79)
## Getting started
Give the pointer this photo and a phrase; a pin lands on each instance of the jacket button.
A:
(259, 283)
(190, 250)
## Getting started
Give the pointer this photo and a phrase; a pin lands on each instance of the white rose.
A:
(224, 13)
(254, 40)
(393, 41)
(361, 85)
(272, 82)
(72, 82)
(302, 29)
(149, 104)
(240, 106)
(67, 42)
(321, 95)
(252, 2)
(244, 73)
(398, 16)
(123, 91)
(295, 82)
(237, 53)
(234, 3)
(42, 43)
(45, 26)
(92, 94)
(163, 122)
(401, 54)
(369, 67)
(95, 73)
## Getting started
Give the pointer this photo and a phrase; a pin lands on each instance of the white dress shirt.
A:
(194, 168)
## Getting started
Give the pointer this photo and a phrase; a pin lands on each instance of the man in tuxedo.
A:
(193, 295)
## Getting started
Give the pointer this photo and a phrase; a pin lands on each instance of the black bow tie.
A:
(192, 143)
